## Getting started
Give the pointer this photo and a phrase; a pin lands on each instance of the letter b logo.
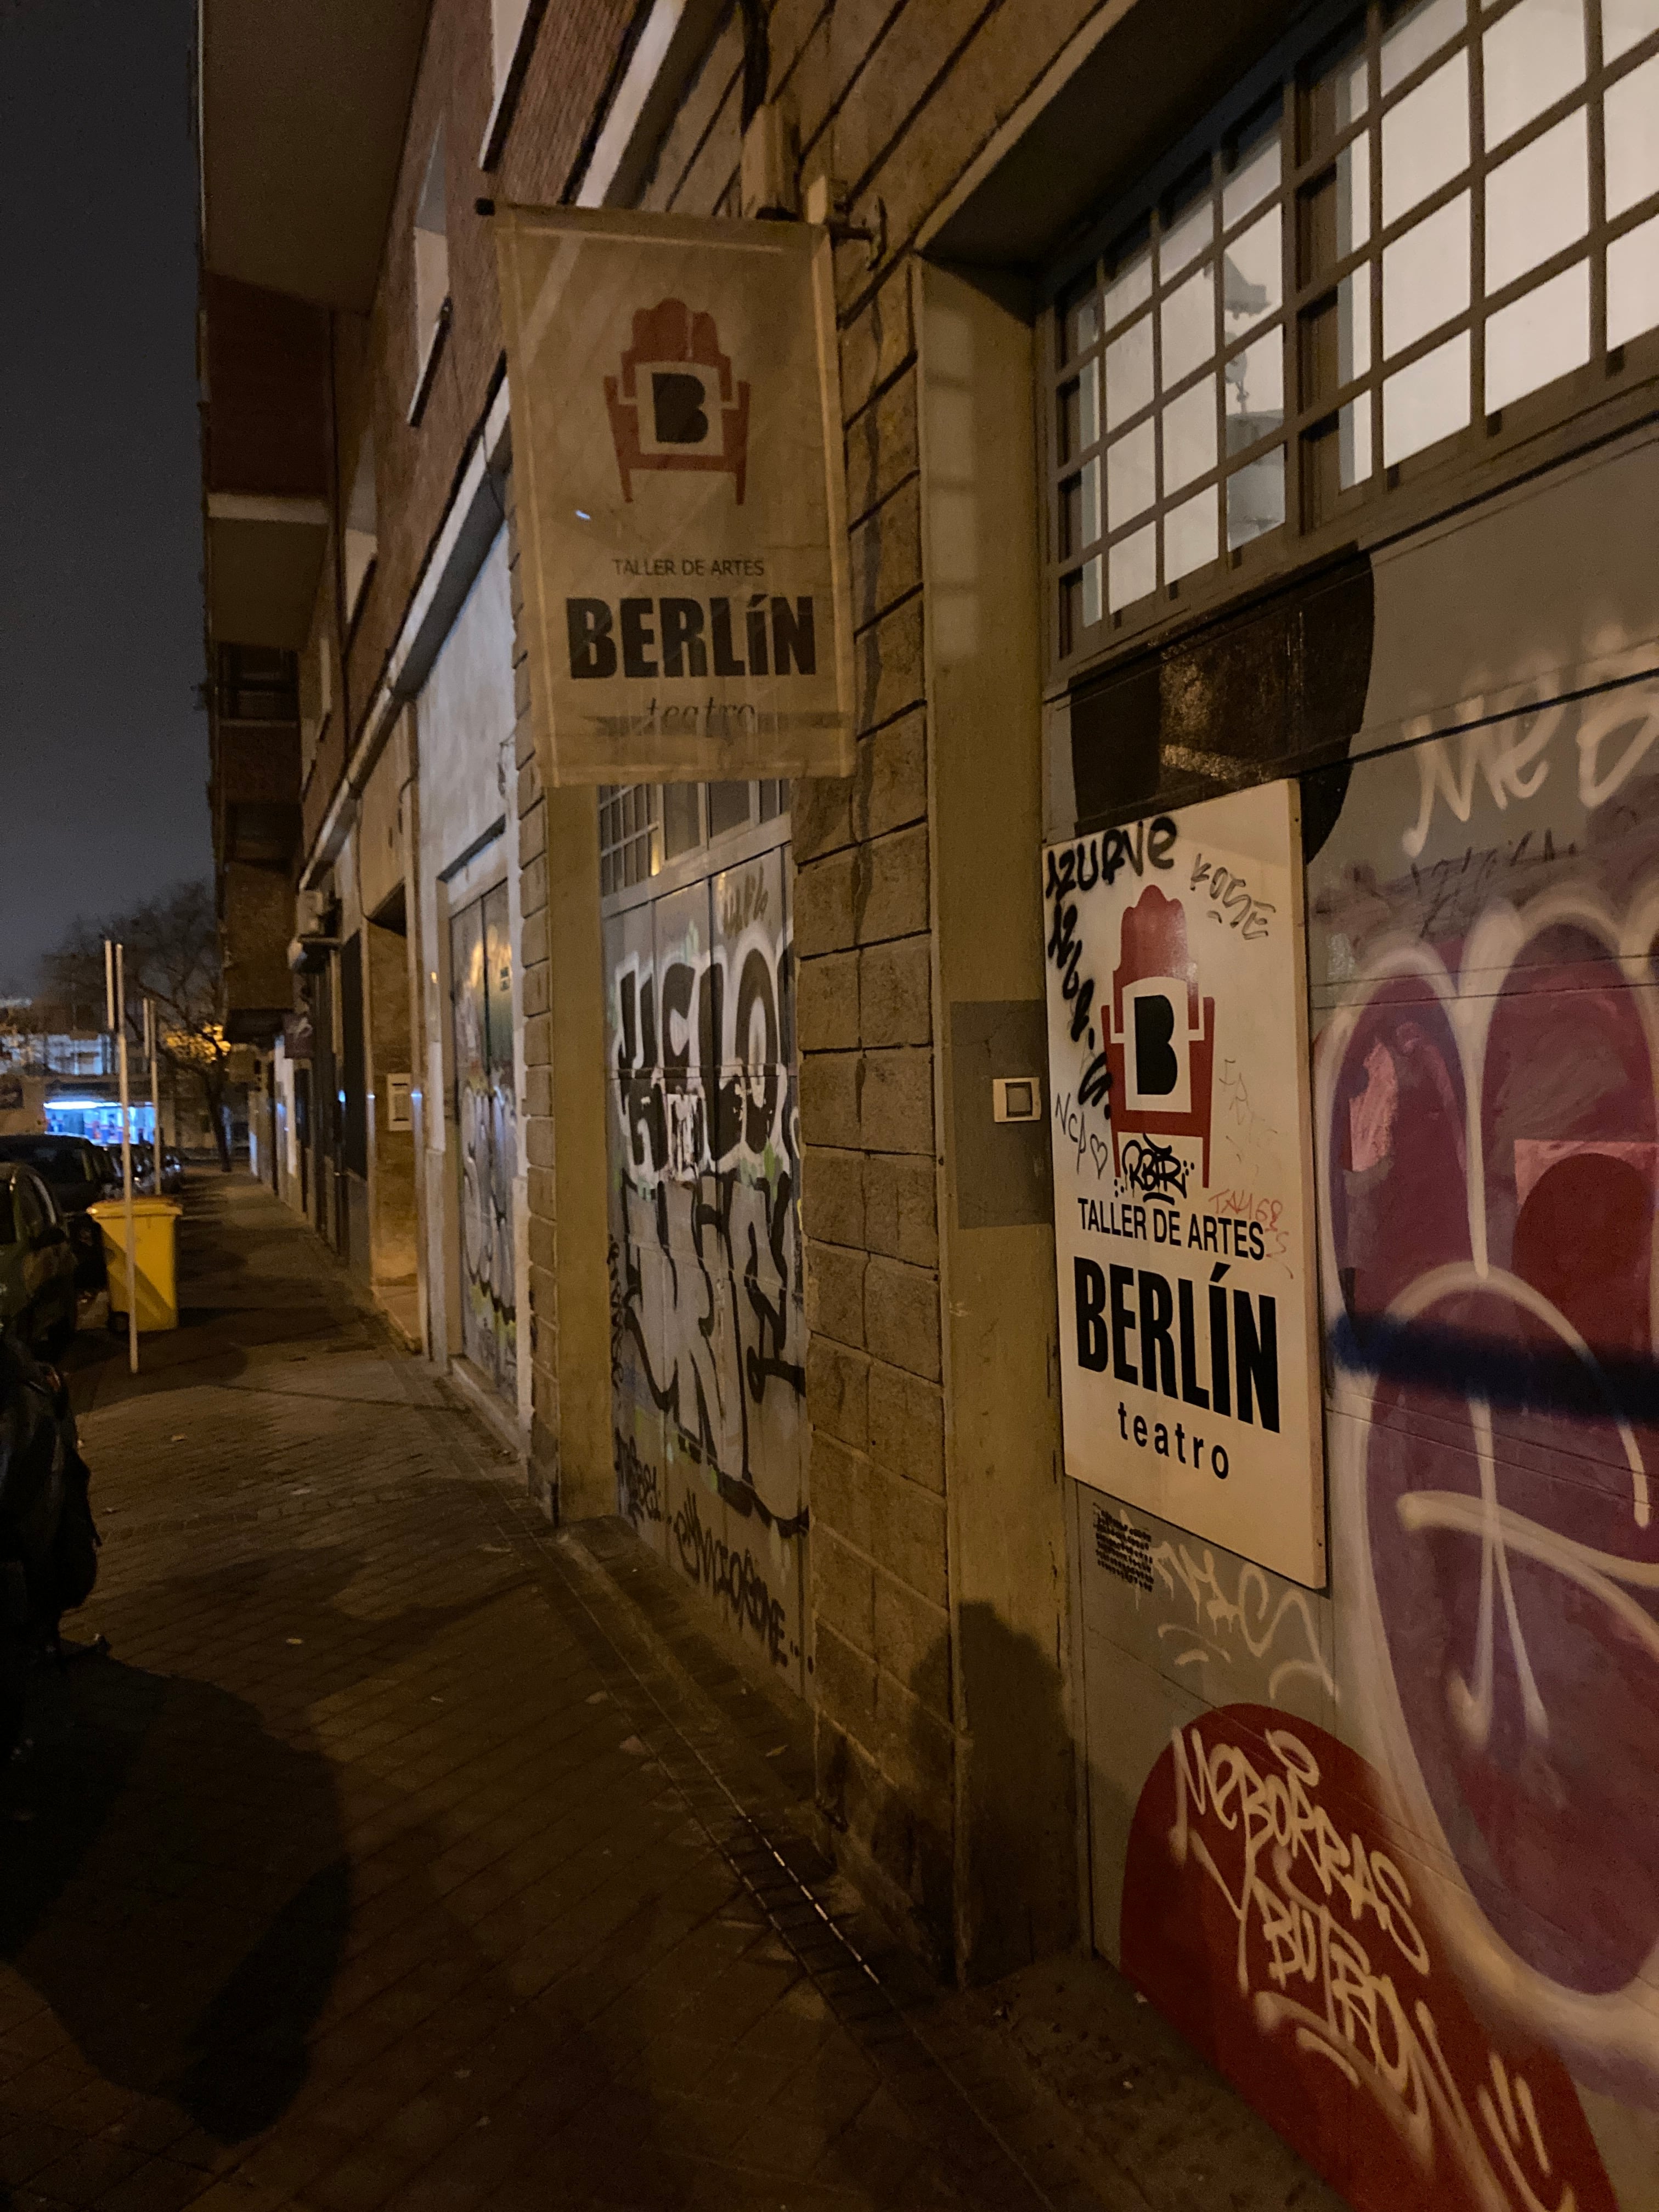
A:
(678, 416)
(1157, 1069)
(1156, 1046)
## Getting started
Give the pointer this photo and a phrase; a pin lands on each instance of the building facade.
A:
(1234, 399)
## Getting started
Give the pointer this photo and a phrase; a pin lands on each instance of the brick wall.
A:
(415, 465)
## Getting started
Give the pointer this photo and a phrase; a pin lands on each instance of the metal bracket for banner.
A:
(875, 237)
(828, 204)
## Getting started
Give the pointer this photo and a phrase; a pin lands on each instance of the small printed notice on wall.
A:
(1183, 1173)
(676, 446)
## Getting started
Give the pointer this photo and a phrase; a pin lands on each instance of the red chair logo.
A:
(1160, 1038)
(675, 404)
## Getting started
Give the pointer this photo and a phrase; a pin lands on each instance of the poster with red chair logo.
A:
(676, 446)
(1181, 1131)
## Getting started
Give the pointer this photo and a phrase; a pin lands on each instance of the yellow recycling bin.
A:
(153, 1220)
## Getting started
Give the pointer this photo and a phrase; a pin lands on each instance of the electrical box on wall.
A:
(1017, 1098)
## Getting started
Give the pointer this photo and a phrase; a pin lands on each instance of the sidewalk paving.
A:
(405, 1853)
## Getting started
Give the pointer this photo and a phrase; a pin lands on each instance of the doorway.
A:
(486, 1125)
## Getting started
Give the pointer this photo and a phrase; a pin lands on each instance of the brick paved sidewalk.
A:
(401, 1853)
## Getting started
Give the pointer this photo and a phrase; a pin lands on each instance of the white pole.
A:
(152, 1032)
(126, 1162)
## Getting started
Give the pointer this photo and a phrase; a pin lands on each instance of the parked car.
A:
(77, 1174)
(48, 1539)
(37, 1265)
(144, 1169)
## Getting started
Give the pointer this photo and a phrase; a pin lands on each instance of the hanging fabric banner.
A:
(682, 529)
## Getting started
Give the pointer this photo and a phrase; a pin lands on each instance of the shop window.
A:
(629, 838)
(506, 29)
(1446, 211)
(1172, 415)
(646, 827)
(316, 697)
(513, 25)
(360, 540)
(431, 247)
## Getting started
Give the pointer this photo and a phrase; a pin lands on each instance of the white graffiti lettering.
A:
(1326, 1939)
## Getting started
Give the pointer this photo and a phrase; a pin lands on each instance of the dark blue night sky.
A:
(103, 749)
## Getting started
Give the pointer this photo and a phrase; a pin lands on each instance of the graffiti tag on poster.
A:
(1181, 1137)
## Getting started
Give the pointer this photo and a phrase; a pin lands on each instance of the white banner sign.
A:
(1184, 1174)
(677, 451)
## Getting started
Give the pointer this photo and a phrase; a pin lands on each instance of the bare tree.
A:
(172, 956)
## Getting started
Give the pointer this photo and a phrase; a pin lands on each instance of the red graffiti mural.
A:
(1491, 1146)
(1275, 1913)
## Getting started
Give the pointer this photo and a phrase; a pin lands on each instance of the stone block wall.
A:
(870, 1181)
(892, 103)
(538, 1335)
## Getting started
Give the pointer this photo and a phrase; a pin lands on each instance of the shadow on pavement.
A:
(178, 1884)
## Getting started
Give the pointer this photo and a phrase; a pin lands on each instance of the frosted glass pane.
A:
(1347, 81)
(1132, 568)
(1427, 401)
(1632, 127)
(1130, 483)
(1537, 201)
(1188, 432)
(1354, 326)
(1255, 498)
(1353, 196)
(1414, 34)
(1189, 535)
(1538, 338)
(1256, 175)
(1625, 21)
(1426, 140)
(1532, 56)
(1253, 276)
(1187, 235)
(1092, 609)
(1255, 391)
(1425, 275)
(1187, 326)
(1088, 405)
(1090, 525)
(1129, 286)
(1129, 372)
(1633, 282)
(1082, 326)
(1353, 439)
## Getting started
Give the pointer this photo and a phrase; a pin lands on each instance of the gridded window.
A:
(1459, 204)
(630, 838)
(1171, 414)
(1491, 218)
(644, 826)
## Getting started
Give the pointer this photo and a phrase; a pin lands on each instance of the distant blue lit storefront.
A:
(100, 1119)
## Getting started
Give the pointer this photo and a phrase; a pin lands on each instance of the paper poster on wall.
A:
(1183, 1173)
(676, 446)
